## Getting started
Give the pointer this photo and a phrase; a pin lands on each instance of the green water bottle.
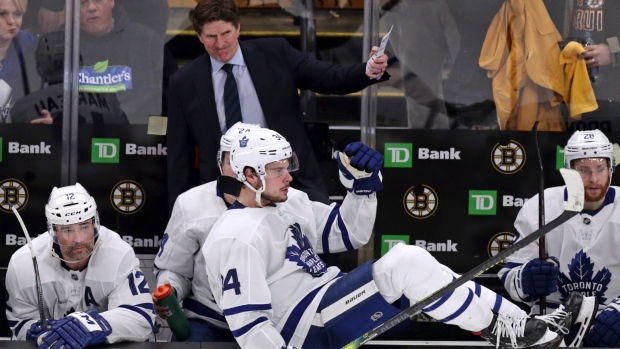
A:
(177, 321)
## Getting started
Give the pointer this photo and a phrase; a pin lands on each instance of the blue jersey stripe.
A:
(498, 303)
(328, 227)
(463, 307)
(247, 307)
(19, 327)
(345, 233)
(243, 330)
(293, 320)
(138, 309)
(201, 309)
(439, 302)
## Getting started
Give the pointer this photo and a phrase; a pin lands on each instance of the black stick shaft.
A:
(542, 249)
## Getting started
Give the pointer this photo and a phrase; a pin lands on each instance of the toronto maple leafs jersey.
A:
(179, 259)
(587, 247)
(264, 268)
(111, 283)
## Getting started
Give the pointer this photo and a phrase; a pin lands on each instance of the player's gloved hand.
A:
(606, 330)
(540, 277)
(76, 331)
(36, 329)
(360, 168)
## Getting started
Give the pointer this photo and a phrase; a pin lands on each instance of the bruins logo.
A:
(500, 242)
(508, 159)
(127, 197)
(12, 193)
(422, 204)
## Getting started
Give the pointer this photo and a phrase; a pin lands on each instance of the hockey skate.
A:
(512, 332)
(583, 310)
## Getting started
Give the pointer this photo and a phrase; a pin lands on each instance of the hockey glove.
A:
(36, 329)
(360, 168)
(76, 331)
(540, 277)
(605, 331)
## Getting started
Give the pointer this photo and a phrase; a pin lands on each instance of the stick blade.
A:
(574, 186)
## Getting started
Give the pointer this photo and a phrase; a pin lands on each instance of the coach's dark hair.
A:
(208, 11)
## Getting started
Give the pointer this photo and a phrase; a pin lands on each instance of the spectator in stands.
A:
(268, 73)
(45, 106)
(16, 48)
(154, 15)
(131, 54)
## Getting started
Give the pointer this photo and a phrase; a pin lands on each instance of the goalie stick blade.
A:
(573, 205)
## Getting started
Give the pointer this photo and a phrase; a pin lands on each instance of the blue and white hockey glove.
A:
(540, 277)
(76, 331)
(36, 329)
(360, 168)
(606, 330)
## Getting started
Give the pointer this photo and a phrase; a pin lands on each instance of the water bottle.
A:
(593, 73)
(177, 321)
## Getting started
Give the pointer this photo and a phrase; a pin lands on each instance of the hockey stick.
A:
(542, 250)
(572, 206)
(36, 270)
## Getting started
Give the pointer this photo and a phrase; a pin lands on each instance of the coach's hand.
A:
(360, 168)
(540, 277)
(76, 331)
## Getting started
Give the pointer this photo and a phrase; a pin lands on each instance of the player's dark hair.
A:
(208, 11)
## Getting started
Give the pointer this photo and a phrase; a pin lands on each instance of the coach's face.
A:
(220, 39)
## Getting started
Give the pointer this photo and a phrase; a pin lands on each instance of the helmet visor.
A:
(282, 167)
(75, 241)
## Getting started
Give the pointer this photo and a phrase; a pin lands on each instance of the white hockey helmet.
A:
(588, 144)
(229, 136)
(256, 149)
(70, 205)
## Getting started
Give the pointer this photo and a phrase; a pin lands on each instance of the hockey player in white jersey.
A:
(583, 252)
(92, 288)
(276, 292)
(179, 261)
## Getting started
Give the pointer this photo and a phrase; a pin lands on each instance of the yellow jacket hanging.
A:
(522, 56)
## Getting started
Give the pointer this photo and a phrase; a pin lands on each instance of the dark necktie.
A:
(232, 108)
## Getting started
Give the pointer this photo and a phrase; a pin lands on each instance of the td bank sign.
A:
(107, 150)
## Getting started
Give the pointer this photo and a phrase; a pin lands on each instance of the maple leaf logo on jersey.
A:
(303, 253)
(581, 278)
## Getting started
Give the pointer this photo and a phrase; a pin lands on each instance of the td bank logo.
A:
(482, 202)
(389, 241)
(508, 159)
(398, 155)
(105, 150)
(559, 157)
